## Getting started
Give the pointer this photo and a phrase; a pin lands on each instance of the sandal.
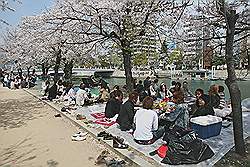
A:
(58, 115)
(80, 117)
(108, 137)
(116, 144)
(102, 134)
(119, 139)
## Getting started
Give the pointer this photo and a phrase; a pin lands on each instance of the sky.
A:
(25, 8)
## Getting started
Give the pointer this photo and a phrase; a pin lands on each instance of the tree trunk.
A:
(20, 72)
(127, 67)
(232, 85)
(248, 58)
(43, 71)
(57, 65)
(68, 71)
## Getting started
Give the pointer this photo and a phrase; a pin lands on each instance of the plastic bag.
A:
(180, 152)
(185, 148)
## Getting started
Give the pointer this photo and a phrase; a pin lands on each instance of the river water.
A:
(193, 85)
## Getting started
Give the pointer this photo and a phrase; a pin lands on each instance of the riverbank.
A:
(32, 136)
(220, 74)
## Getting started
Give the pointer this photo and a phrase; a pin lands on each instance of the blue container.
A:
(209, 128)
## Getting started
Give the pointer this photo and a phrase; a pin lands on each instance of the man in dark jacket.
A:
(113, 105)
(126, 115)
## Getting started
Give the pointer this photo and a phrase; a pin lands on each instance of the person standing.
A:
(147, 84)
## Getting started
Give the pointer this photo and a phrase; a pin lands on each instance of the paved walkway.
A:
(31, 136)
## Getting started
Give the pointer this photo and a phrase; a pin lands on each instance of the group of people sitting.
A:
(17, 81)
(146, 123)
(75, 95)
(160, 91)
(208, 104)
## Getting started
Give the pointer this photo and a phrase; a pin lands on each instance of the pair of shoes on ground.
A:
(80, 117)
(79, 136)
(118, 142)
(64, 109)
(105, 135)
(115, 163)
(101, 158)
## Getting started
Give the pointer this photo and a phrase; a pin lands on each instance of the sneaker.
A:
(81, 133)
(78, 138)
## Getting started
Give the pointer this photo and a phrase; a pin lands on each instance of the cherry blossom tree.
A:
(100, 23)
(227, 25)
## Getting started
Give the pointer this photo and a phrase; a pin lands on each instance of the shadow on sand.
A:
(16, 113)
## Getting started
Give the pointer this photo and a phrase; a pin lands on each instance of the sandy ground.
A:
(30, 135)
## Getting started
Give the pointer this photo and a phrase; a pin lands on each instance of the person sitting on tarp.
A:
(60, 87)
(146, 124)
(45, 87)
(112, 92)
(141, 91)
(82, 97)
(221, 93)
(177, 88)
(179, 115)
(71, 93)
(104, 94)
(126, 115)
(201, 107)
(188, 95)
(114, 104)
(104, 84)
(6, 81)
(164, 92)
(214, 98)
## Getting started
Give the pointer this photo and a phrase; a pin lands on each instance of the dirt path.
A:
(30, 135)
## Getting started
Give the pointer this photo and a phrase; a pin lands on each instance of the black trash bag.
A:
(177, 133)
(184, 147)
(187, 152)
